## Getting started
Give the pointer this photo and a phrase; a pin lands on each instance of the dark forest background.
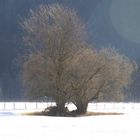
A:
(95, 14)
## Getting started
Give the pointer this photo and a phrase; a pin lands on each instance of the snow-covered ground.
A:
(14, 126)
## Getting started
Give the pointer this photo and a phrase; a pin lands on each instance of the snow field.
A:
(14, 126)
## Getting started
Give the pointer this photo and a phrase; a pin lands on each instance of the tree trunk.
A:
(81, 107)
(60, 107)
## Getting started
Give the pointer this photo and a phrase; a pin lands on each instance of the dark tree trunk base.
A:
(55, 111)
(81, 108)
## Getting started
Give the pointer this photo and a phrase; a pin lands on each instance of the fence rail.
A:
(43, 105)
(24, 105)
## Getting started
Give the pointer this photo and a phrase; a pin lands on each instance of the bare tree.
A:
(62, 65)
(55, 34)
(102, 74)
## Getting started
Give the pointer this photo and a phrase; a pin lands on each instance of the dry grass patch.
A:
(102, 113)
(43, 113)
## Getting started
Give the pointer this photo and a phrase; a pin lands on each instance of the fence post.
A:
(4, 106)
(36, 105)
(25, 106)
(132, 105)
(96, 106)
(104, 106)
(14, 106)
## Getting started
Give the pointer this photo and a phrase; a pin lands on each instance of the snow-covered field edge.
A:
(120, 107)
(15, 126)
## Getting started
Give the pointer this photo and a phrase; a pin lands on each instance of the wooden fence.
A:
(43, 105)
(24, 105)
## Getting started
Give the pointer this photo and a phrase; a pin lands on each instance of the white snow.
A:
(14, 126)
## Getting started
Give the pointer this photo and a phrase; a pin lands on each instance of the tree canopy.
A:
(62, 64)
